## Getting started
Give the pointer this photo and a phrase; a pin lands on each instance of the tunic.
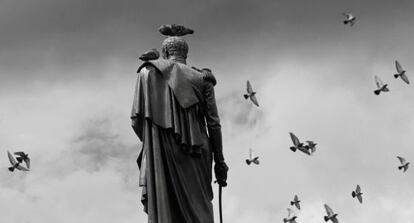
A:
(173, 107)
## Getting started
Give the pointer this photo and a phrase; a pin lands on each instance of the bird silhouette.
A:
(404, 164)
(15, 164)
(252, 158)
(23, 157)
(400, 73)
(152, 54)
(381, 87)
(175, 30)
(330, 215)
(251, 94)
(350, 19)
(291, 218)
(296, 202)
(357, 193)
(297, 145)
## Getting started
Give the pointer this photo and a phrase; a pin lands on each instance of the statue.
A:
(174, 114)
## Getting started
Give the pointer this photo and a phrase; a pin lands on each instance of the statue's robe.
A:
(172, 107)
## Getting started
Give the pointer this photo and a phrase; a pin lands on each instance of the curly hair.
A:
(174, 46)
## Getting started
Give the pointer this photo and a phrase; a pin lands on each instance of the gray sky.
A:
(68, 72)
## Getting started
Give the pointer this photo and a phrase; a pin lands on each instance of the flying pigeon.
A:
(252, 159)
(404, 164)
(296, 202)
(23, 157)
(251, 94)
(330, 215)
(357, 193)
(381, 86)
(400, 73)
(349, 19)
(152, 54)
(291, 217)
(311, 146)
(175, 30)
(15, 164)
(297, 145)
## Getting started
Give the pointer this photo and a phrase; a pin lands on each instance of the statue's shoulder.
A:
(161, 64)
(207, 75)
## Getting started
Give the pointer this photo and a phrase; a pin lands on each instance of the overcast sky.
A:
(67, 72)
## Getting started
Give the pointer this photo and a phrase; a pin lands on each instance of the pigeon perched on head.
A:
(291, 217)
(297, 145)
(349, 19)
(23, 157)
(404, 164)
(400, 73)
(152, 54)
(381, 86)
(311, 146)
(296, 202)
(251, 94)
(357, 193)
(252, 158)
(175, 30)
(15, 164)
(330, 215)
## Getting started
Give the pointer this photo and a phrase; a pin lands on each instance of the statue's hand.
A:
(221, 169)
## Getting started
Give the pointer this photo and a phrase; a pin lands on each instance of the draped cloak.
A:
(169, 115)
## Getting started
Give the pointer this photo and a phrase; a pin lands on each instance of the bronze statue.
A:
(174, 114)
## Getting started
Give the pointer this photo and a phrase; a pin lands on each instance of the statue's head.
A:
(174, 47)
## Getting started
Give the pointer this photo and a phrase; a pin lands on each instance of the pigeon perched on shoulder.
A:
(252, 158)
(381, 87)
(175, 30)
(330, 215)
(251, 94)
(23, 157)
(152, 54)
(401, 73)
(357, 193)
(297, 145)
(404, 164)
(350, 19)
(296, 202)
(15, 164)
(291, 217)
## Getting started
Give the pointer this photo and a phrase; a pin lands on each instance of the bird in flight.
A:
(15, 164)
(349, 19)
(23, 157)
(330, 215)
(251, 94)
(152, 54)
(400, 72)
(297, 145)
(296, 202)
(291, 217)
(252, 158)
(381, 87)
(357, 193)
(404, 164)
(311, 146)
(175, 30)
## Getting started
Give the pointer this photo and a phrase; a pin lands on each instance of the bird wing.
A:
(22, 168)
(334, 220)
(254, 100)
(358, 189)
(295, 139)
(405, 78)
(11, 158)
(256, 160)
(402, 160)
(296, 198)
(22, 154)
(398, 67)
(378, 81)
(304, 149)
(359, 196)
(27, 161)
(328, 210)
(249, 87)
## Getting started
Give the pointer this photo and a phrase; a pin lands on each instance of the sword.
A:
(220, 205)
